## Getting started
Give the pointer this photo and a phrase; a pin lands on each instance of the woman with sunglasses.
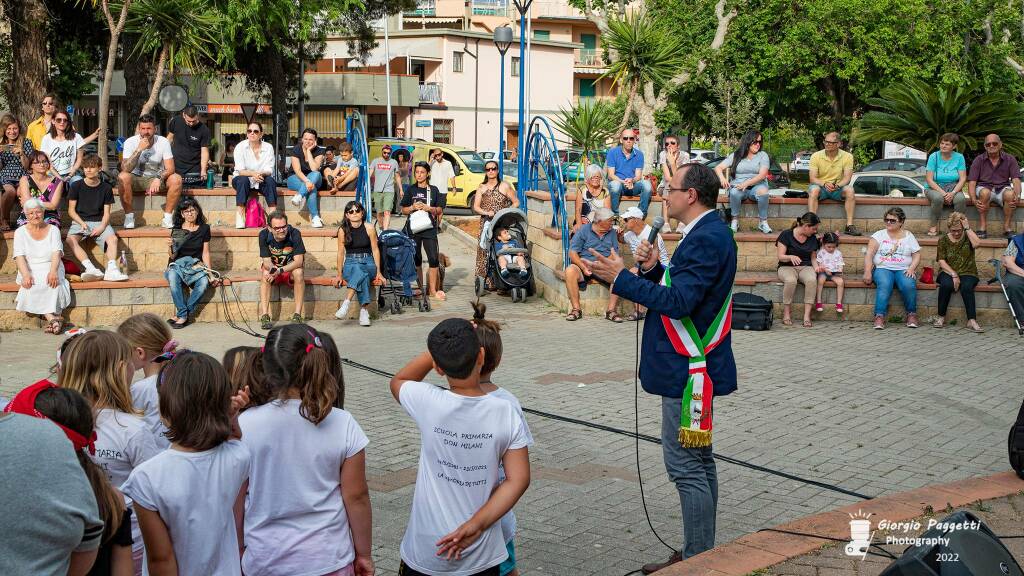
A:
(671, 159)
(254, 170)
(959, 269)
(42, 185)
(189, 258)
(892, 259)
(747, 179)
(64, 147)
(491, 197)
(15, 155)
(590, 196)
(358, 261)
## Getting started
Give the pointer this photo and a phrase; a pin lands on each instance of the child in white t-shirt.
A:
(308, 510)
(97, 364)
(489, 333)
(186, 496)
(828, 263)
(152, 344)
(466, 433)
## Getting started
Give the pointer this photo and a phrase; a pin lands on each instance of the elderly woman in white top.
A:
(254, 169)
(593, 194)
(37, 250)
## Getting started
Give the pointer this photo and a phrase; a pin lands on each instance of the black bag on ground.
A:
(969, 552)
(1015, 444)
(751, 312)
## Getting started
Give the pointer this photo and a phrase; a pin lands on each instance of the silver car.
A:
(885, 182)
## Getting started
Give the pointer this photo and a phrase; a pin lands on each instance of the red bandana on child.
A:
(25, 403)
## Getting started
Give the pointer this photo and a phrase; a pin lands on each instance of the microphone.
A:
(655, 227)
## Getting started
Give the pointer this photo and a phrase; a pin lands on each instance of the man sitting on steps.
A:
(283, 255)
(148, 166)
(830, 174)
(598, 234)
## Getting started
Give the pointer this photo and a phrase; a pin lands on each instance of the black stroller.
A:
(518, 284)
(397, 258)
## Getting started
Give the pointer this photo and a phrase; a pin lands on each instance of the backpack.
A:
(255, 217)
(751, 312)
(1015, 444)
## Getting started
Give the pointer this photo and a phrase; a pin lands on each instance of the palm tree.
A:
(589, 125)
(915, 113)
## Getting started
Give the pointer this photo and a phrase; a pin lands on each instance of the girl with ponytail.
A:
(308, 509)
(489, 333)
(152, 344)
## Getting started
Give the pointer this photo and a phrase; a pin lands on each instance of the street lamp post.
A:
(502, 40)
(523, 6)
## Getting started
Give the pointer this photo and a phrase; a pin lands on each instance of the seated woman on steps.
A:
(42, 288)
(188, 260)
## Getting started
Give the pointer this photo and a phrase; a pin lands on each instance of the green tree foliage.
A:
(734, 109)
(589, 125)
(915, 113)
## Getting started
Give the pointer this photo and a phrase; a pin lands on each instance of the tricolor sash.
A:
(695, 417)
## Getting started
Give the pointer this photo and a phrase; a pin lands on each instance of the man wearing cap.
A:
(638, 230)
(687, 347)
(384, 184)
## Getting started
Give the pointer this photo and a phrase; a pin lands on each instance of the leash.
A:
(225, 284)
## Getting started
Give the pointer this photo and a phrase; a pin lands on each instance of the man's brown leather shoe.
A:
(655, 566)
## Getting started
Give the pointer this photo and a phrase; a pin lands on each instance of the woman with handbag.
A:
(188, 261)
(492, 196)
(254, 171)
(424, 204)
(959, 270)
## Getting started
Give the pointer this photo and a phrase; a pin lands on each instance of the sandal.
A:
(938, 323)
(613, 316)
(54, 326)
(932, 233)
(807, 324)
(634, 316)
(787, 321)
(574, 315)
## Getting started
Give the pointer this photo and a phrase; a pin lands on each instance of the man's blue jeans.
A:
(696, 478)
(297, 185)
(641, 188)
(884, 281)
(180, 275)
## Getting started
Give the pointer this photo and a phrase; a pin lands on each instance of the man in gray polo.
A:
(597, 235)
(384, 184)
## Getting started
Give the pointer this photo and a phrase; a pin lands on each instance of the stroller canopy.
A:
(506, 218)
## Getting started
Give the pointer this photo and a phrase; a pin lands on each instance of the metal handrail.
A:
(356, 135)
(542, 152)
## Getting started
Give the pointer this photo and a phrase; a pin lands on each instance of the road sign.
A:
(249, 111)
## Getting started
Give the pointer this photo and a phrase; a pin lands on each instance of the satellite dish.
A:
(173, 98)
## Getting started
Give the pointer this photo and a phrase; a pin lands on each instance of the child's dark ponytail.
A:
(830, 238)
(297, 356)
(488, 331)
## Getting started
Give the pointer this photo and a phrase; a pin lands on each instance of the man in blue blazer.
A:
(698, 287)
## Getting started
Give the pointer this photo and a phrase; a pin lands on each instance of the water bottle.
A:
(124, 261)
(209, 178)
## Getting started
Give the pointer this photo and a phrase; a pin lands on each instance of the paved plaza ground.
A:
(874, 412)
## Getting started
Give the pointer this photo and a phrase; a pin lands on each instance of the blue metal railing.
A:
(542, 158)
(355, 133)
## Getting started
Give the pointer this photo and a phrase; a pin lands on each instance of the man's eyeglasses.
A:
(628, 138)
(991, 144)
(252, 131)
(279, 228)
(831, 141)
(891, 221)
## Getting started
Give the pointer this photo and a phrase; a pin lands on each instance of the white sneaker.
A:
(342, 312)
(317, 222)
(129, 220)
(764, 227)
(114, 275)
(735, 225)
(298, 200)
(239, 221)
(168, 221)
(92, 274)
(364, 317)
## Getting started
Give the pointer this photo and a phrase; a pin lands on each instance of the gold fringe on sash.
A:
(694, 438)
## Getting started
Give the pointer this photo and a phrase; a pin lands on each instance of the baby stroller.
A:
(520, 286)
(397, 258)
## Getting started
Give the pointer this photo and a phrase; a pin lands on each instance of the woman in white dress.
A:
(37, 251)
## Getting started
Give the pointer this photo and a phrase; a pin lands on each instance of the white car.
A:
(801, 164)
(702, 156)
(885, 182)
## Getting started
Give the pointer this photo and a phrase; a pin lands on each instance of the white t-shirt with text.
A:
(463, 439)
(62, 154)
(195, 493)
(295, 518)
(151, 160)
(508, 521)
(893, 254)
(146, 400)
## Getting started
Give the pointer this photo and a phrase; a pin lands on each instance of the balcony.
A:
(589, 58)
(424, 8)
(490, 7)
(430, 93)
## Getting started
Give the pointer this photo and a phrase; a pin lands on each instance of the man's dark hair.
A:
(332, 149)
(277, 215)
(454, 346)
(92, 161)
(191, 111)
(308, 131)
(147, 119)
(704, 181)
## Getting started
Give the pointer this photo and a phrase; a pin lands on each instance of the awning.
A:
(327, 123)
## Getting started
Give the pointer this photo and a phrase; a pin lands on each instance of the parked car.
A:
(701, 155)
(883, 182)
(915, 165)
(490, 154)
(801, 164)
(468, 165)
(572, 167)
(777, 177)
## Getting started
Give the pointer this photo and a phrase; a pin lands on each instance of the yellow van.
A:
(468, 165)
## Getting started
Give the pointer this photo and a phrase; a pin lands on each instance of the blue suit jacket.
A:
(703, 268)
